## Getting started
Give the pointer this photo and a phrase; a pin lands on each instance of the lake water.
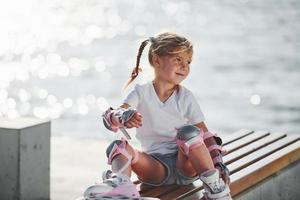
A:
(68, 60)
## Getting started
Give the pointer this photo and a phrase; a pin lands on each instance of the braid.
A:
(137, 69)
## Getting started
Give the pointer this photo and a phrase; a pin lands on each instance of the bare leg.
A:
(143, 168)
(119, 183)
(184, 165)
(197, 162)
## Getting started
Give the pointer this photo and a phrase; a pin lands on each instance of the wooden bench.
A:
(262, 165)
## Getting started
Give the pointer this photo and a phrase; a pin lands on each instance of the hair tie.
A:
(151, 39)
(136, 71)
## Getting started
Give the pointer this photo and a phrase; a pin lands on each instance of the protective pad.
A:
(209, 134)
(113, 119)
(119, 147)
(189, 137)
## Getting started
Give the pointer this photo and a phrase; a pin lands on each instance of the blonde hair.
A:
(163, 44)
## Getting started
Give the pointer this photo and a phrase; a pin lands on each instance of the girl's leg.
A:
(122, 158)
(143, 167)
(197, 162)
(196, 158)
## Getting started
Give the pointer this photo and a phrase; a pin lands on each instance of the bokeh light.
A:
(68, 102)
(42, 93)
(255, 99)
(24, 95)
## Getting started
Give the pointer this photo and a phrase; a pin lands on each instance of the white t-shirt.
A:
(160, 120)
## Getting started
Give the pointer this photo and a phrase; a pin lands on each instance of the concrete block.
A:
(283, 185)
(24, 159)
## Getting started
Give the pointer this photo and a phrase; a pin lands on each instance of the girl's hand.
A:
(135, 121)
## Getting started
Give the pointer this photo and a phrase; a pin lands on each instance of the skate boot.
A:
(214, 186)
(114, 186)
(106, 174)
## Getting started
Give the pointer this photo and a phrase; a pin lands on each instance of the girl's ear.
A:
(155, 60)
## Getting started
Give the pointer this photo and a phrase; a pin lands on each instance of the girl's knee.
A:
(130, 149)
(188, 138)
(133, 152)
(122, 147)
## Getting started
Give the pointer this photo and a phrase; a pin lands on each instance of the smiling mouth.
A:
(179, 74)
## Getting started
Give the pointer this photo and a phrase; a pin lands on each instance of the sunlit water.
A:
(68, 60)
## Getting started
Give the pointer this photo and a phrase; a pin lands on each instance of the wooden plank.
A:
(258, 171)
(184, 190)
(262, 169)
(245, 141)
(227, 139)
(261, 153)
(267, 140)
(229, 158)
(159, 191)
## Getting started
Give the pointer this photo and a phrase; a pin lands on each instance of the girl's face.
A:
(173, 68)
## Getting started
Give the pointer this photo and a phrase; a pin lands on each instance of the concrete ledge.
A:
(283, 185)
(25, 159)
(20, 123)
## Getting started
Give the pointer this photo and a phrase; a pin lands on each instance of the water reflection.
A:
(68, 60)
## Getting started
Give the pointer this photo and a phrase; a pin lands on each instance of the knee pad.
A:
(189, 137)
(119, 147)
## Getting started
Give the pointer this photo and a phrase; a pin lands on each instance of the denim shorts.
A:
(173, 175)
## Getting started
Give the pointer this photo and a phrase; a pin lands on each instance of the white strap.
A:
(215, 147)
(192, 141)
(217, 159)
(129, 158)
(224, 193)
(208, 134)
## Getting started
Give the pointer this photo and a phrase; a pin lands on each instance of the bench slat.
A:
(159, 191)
(245, 141)
(183, 190)
(258, 171)
(227, 139)
(229, 158)
(261, 154)
(264, 168)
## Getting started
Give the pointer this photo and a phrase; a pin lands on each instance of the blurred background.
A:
(67, 60)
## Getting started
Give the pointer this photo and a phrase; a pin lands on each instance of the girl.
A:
(177, 145)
